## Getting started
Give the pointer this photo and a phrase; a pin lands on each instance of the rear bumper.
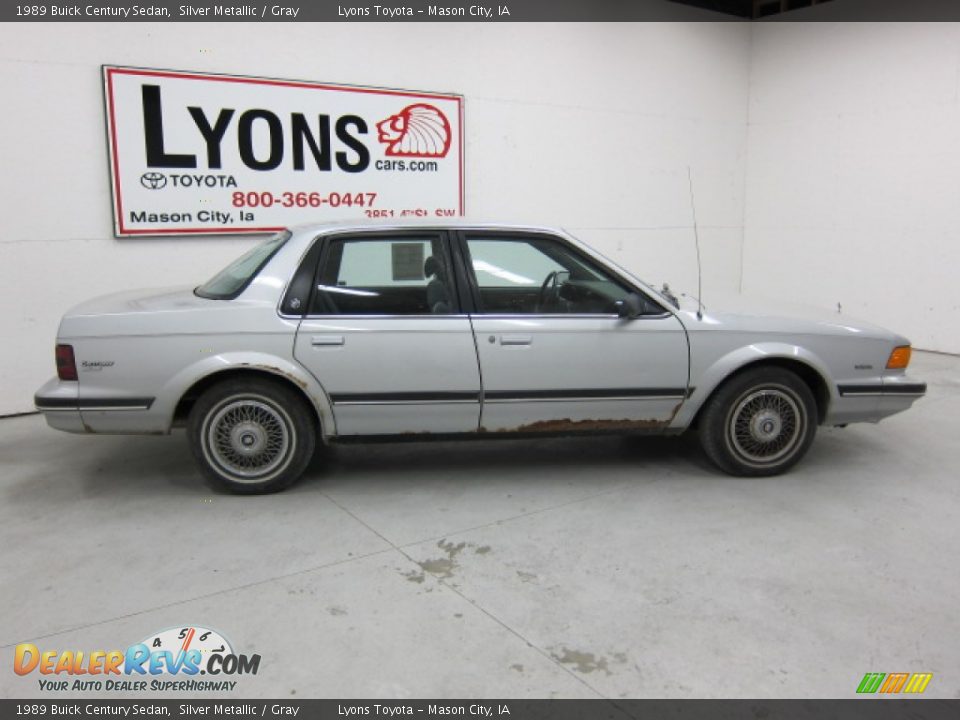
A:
(64, 409)
(58, 401)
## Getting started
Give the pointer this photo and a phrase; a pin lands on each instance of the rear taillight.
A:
(66, 364)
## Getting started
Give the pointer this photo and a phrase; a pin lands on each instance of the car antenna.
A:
(696, 240)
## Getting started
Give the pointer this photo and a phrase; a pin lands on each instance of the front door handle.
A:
(325, 340)
(516, 339)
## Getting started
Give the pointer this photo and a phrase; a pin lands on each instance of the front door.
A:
(385, 338)
(554, 354)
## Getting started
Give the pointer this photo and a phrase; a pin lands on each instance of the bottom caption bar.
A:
(868, 709)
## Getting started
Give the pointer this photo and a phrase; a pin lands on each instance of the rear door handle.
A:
(324, 340)
(516, 339)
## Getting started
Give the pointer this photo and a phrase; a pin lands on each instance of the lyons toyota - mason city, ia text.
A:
(474, 11)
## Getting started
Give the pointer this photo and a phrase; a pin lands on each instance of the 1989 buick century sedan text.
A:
(345, 332)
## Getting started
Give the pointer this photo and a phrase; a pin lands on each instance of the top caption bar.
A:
(454, 11)
(353, 11)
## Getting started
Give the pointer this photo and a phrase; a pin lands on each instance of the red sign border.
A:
(110, 70)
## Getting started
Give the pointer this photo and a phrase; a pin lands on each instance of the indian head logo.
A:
(416, 131)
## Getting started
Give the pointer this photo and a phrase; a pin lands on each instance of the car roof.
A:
(392, 223)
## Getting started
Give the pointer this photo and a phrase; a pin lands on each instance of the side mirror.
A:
(630, 307)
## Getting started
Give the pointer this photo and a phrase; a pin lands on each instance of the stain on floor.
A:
(443, 567)
(414, 576)
(586, 662)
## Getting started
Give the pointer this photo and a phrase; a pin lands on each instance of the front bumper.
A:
(899, 393)
(872, 402)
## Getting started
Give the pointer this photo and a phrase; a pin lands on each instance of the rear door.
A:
(554, 355)
(385, 337)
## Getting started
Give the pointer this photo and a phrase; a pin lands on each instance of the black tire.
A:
(758, 423)
(251, 435)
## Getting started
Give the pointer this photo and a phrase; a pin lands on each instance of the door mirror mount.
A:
(632, 306)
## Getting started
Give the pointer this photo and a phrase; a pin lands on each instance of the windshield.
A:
(234, 278)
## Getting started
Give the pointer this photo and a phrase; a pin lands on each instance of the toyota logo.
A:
(153, 180)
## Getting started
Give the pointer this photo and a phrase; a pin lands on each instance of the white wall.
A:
(586, 126)
(853, 173)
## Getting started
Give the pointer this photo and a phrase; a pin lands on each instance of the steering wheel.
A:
(548, 290)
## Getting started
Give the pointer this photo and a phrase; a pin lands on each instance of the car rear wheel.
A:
(251, 436)
(759, 423)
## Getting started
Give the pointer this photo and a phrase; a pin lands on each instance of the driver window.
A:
(532, 275)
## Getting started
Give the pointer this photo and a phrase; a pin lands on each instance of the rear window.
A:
(234, 278)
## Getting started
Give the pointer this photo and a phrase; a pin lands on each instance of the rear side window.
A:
(234, 278)
(396, 275)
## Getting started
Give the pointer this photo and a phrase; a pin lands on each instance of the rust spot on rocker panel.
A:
(568, 425)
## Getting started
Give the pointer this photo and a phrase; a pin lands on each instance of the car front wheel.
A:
(759, 423)
(251, 435)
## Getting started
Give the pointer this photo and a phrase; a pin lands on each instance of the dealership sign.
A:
(194, 153)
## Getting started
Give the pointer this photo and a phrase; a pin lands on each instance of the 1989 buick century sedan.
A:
(337, 332)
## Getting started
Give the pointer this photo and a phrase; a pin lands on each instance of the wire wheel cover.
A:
(766, 425)
(249, 438)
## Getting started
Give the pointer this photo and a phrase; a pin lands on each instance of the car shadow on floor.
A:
(164, 466)
(535, 457)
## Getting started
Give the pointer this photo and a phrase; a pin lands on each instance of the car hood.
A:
(741, 312)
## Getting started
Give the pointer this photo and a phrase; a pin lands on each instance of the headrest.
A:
(431, 266)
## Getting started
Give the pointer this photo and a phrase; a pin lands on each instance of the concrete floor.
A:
(553, 568)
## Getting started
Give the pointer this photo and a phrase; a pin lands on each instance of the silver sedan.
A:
(454, 330)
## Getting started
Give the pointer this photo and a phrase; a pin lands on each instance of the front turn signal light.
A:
(899, 358)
